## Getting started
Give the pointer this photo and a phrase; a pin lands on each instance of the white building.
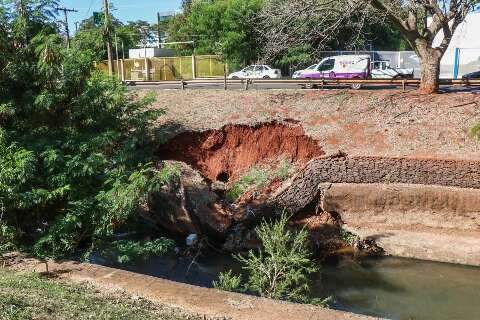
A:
(150, 53)
(464, 48)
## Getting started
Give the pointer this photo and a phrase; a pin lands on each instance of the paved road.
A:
(280, 86)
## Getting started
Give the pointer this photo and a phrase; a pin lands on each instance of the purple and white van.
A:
(340, 67)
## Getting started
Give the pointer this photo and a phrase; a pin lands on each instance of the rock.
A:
(219, 186)
(187, 205)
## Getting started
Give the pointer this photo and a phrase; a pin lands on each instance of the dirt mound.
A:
(226, 153)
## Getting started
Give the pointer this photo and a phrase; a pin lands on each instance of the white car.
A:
(260, 71)
(383, 70)
(298, 73)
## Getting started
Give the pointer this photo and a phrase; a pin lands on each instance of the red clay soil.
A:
(226, 153)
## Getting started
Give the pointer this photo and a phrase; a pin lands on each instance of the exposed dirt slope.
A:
(226, 153)
(378, 123)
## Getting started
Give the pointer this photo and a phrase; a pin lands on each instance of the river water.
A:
(393, 288)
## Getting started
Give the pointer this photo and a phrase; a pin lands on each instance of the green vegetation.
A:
(76, 158)
(280, 269)
(240, 31)
(228, 281)
(129, 251)
(220, 27)
(90, 35)
(348, 237)
(475, 131)
(257, 178)
(33, 297)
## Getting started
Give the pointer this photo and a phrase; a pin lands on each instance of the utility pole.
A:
(65, 14)
(108, 39)
(159, 31)
(116, 55)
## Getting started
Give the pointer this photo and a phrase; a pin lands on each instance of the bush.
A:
(228, 281)
(7, 238)
(280, 270)
(348, 237)
(257, 178)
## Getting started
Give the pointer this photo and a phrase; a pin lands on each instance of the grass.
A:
(257, 178)
(34, 297)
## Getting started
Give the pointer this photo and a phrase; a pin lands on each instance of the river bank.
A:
(196, 301)
(390, 288)
(33, 296)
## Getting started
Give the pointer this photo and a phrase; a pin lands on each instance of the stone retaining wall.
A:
(343, 169)
(451, 173)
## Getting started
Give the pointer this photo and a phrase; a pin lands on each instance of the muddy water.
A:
(393, 288)
(403, 289)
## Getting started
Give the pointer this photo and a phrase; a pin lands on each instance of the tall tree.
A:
(295, 23)
(90, 36)
(220, 27)
(420, 22)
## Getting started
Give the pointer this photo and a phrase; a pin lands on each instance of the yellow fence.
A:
(168, 68)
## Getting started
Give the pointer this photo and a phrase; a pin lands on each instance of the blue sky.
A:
(126, 10)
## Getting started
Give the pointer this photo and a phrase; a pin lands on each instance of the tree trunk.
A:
(429, 80)
(430, 73)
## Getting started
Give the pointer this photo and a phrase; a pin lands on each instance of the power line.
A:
(89, 8)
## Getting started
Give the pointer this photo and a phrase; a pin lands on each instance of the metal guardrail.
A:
(306, 82)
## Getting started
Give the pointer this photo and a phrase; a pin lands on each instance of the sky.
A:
(125, 10)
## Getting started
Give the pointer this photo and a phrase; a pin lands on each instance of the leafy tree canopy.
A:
(75, 147)
(219, 27)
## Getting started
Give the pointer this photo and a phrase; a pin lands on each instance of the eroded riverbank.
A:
(425, 208)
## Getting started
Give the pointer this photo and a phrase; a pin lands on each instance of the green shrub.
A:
(280, 269)
(228, 281)
(76, 151)
(283, 170)
(258, 178)
(129, 251)
(7, 238)
(475, 131)
(348, 237)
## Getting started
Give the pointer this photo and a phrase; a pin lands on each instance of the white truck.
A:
(381, 69)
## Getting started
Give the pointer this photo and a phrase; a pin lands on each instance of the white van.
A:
(340, 67)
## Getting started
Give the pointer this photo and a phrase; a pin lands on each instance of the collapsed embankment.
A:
(226, 153)
(407, 176)
(376, 197)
